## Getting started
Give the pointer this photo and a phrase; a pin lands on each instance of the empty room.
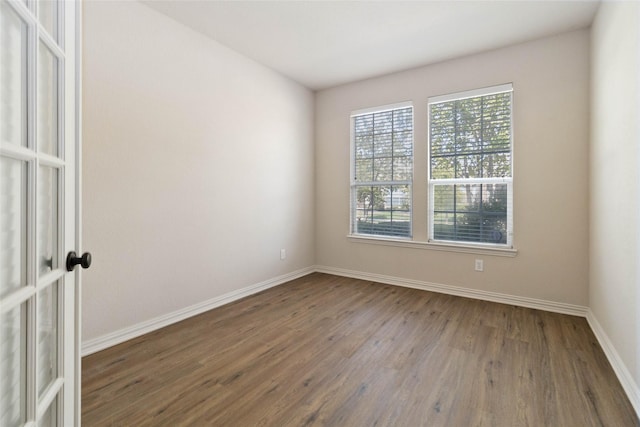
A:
(341, 213)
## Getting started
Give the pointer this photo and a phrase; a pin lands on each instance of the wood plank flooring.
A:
(327, 350)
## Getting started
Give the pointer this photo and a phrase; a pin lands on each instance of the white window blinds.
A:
(382, 171)
(470, 179)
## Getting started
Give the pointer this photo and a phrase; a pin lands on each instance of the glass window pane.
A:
(443, 167)
(47, 219)
(467, 197)
(494, 198)
(496, 165)
(382, 169)
(470, 212)
(383, 122)
(402, 119)
(444, 226)
(441, 128)
(399, 205)
(468, 124)
(48, 16)
(13, 248)
(403, 143)
(13, 81)
(383, 210)
(476, 132)
(468, 167)
(364, 125)
(47, 332)
(47, 101)
(470, 138)
(364, 147)
(365, 200)
(383, 154)
(12, 367)
(383, 145)
(443, 198)
(364, 170)
(402, 168)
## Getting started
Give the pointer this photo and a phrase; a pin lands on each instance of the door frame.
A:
(78, 213)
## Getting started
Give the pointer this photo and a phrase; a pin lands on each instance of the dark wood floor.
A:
(325, 350)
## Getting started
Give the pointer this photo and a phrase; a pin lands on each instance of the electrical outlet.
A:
(479, 265)
(283, 254)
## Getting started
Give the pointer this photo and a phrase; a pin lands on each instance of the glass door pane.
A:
(47, 219)
(47, 333)
(48, 16)
(47, 101)
(13, 245)
(13, 80)
(13, 354)
(49, 419)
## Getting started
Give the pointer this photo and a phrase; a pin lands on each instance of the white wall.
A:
(198, 167)
(551, 133)
(614, 290)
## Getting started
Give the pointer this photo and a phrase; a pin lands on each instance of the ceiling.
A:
(326, 43)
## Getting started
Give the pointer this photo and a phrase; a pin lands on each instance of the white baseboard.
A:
(100, 343)
(556, 307)
(624, 376)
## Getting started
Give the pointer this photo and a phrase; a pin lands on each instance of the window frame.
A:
(431, 182)
(355, 184)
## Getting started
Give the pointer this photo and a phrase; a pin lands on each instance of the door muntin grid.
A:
(32, 173)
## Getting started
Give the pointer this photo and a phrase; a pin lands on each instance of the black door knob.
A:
(73, 259)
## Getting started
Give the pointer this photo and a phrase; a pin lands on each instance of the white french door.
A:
(39, 362)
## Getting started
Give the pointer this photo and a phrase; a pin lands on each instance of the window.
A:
(382, 171)
(470, 180)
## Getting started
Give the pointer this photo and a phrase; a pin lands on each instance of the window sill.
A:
(447, 247)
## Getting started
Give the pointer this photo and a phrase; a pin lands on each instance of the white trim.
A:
(78, 213)
(477, 248)
(624, 376)
(507, 87)
(23, 11)
(51, 393)
(16, 152)
(100, 343)
(381, 109)
(50, 277)
(50, 43)
(381, 183)
(51, 161)
(17, 298)
(463, 181)
(552, 306)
